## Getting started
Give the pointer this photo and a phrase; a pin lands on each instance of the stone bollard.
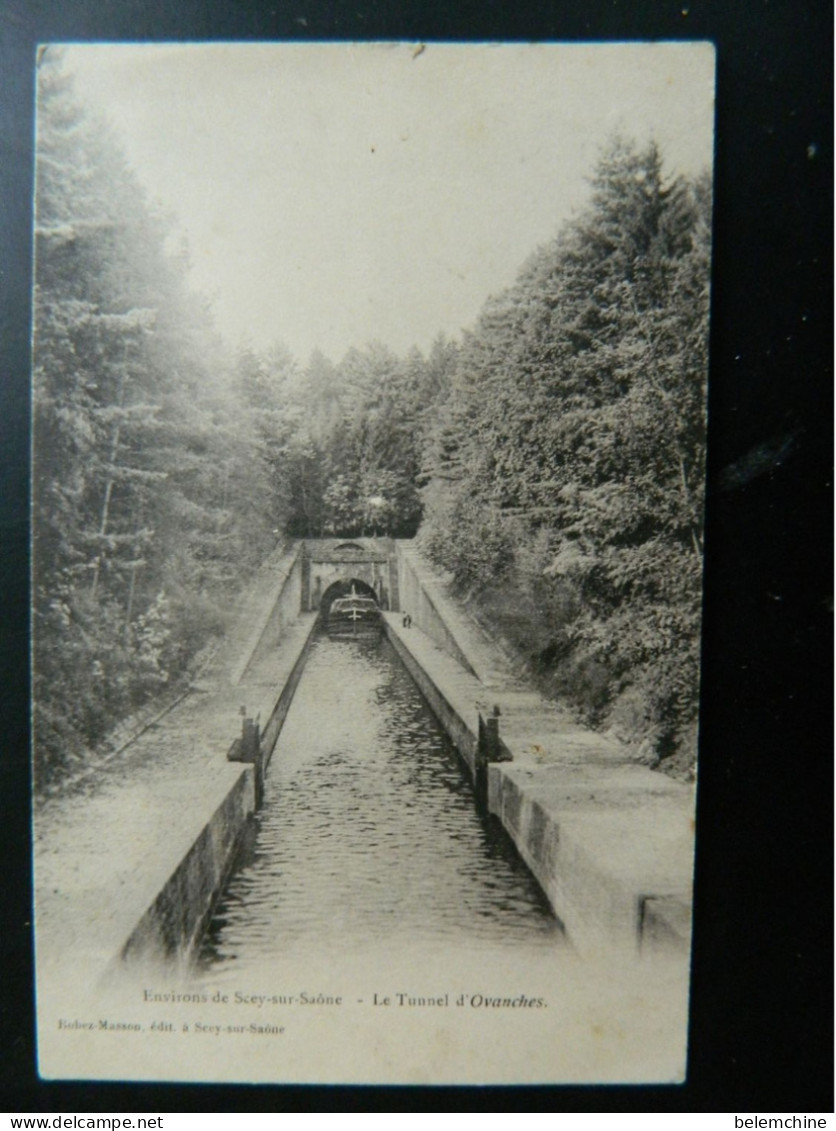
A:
(489, 749)
(247, 748)
(251, 751)
(492, 737)
(249, 740)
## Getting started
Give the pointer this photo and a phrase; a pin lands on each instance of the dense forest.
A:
(551, 458)
(147, 503)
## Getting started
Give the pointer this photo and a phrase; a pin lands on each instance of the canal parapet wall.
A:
(131, 870)
(272, 601)
(134, 870)
(425, 595)
(610, 842)
(174, 923)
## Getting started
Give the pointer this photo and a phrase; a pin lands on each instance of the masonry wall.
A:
(463, 738)
(270, 732)
(284, 607)
(610, 843)
(172, 927)
(417, 599)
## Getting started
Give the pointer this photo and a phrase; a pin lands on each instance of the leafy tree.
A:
(145, 504)
(574, 423)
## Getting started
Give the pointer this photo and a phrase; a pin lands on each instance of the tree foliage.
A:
(145, 507)
(552, 459)
(569, 458)
(345, 443)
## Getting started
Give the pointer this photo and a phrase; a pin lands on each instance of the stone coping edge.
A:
(434, 590)
(284, 569)
(601, 910)
(171, 929)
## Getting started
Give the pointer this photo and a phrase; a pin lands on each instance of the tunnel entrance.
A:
(369, 564)
(345, 588)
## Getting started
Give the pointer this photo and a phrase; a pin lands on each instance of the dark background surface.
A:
(761, 1015)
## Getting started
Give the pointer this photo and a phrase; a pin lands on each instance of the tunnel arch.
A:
(343, 588)
(371, 562)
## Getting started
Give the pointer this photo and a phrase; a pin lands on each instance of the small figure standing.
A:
(407, 620)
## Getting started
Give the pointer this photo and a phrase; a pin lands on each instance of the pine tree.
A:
(135, 537)
(570, 456)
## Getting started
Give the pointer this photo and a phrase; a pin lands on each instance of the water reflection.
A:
(369, 831)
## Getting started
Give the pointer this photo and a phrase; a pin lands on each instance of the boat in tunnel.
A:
(353, 615)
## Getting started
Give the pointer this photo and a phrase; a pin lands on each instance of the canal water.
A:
(369, 835)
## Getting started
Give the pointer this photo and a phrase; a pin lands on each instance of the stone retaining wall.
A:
(279, 606)
(463, 737)
(610, 843)
(172, 927)
(421, 597)
(270, 732)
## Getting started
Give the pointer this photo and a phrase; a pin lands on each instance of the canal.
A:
(369, 835)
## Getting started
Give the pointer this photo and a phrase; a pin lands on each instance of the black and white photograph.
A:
(368, 472)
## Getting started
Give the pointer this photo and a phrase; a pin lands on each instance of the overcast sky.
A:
(334, 194)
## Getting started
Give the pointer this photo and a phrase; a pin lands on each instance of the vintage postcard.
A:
(369, 390)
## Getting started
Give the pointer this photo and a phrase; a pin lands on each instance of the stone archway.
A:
(343, 588)
(328, 561)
